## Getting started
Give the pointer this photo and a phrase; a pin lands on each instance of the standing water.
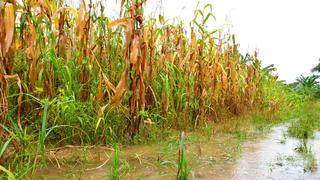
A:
(273, 157)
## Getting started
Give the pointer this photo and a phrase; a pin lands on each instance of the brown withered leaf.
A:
(118, 22)
(3, 97)
(99, 94)
(142, 94)
(135, 49)
(121, 7)
(2, 30)
(129, 36)
(9, 25)
(20, 98)
(81, 19)
(120, 89)
(108, 83)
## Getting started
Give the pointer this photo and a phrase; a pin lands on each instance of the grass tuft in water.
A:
(115, 166)
(183, 165)
(308, 155)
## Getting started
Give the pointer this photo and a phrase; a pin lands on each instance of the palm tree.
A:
(307, 81)
(316, 68)
(270, 69)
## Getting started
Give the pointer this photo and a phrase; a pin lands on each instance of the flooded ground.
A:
(223, 157)
(273, 157)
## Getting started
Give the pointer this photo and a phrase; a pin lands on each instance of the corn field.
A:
(108, 80)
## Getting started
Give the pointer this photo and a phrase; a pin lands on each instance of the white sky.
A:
(286, 32)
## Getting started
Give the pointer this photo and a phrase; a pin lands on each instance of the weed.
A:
(308, 155)
(209, 132)
(115, 164)
(307, 122)
(241, 135)
(9, 174)
(183, 171)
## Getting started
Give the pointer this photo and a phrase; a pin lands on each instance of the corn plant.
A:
(106, 78)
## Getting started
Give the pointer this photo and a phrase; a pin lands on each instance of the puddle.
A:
(272, 157)
(75, 163)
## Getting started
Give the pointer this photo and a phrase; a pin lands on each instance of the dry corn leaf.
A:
(99, 94)
(9, 25)
(120, 89)
(81, 19)
(134, 55)
(118, 22)
(121, 6)
(108, 83)
(3, 97)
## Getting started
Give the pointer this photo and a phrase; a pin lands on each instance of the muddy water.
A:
(271, 157)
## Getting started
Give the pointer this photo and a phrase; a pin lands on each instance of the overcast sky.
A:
(286, 32)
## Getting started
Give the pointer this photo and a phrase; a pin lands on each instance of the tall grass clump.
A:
(308, 155)
(307, 121)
